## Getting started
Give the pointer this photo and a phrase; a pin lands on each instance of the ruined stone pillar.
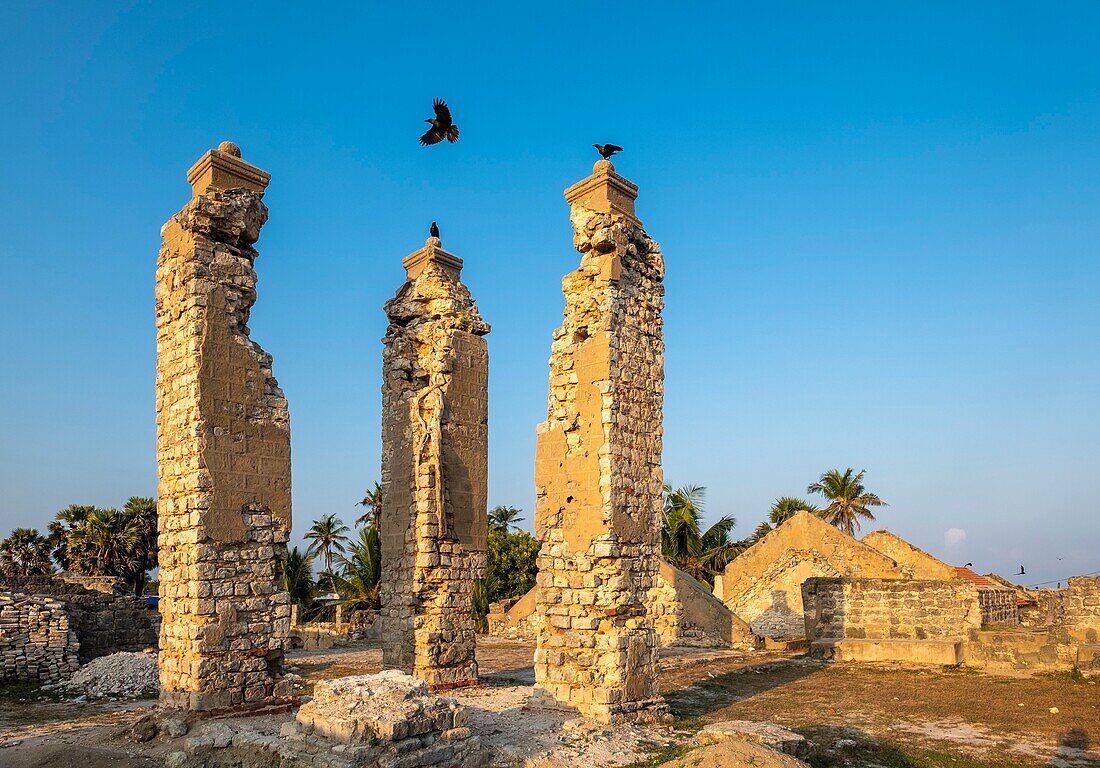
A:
(435, 369)
(598, 465)
(223, 452)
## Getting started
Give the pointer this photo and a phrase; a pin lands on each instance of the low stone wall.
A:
(319, 635)
(837, 609)
(36, 641)
(104, 622)
(1081, 609)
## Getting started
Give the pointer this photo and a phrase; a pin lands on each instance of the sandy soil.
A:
(914, 717)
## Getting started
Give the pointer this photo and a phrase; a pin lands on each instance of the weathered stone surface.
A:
(598, 465)
(223, 452)
(766, 734)
(734, 754)
(434, 471)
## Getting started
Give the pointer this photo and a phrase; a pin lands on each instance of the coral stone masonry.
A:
(223, 452)
(435, 368)
(598, 465)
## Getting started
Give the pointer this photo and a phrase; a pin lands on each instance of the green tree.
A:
(848, 499)
(298, 578)
(25, 553)
(105, 543)
(784, 508)
(504, 518)
(511, 564)
(373, 502)
(700, 553)
(142, 512)
(361, 571)
(58, 531)
(328, 537)
(480, 599)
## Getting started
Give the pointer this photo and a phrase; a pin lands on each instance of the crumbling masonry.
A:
(598, 465)
(223, 451)
(434, 471)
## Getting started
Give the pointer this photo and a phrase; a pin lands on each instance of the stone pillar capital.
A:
(222, 168)
(605, 192)
(431, 253)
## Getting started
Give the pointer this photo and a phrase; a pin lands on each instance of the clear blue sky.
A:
(880, 223)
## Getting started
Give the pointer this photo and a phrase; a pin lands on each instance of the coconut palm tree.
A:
(328, 536)
(784, 508)
(373, 502)
(702, 554)
(298, 578)
(25, 553)
(361, 571)
(502, 518)
(848, 499)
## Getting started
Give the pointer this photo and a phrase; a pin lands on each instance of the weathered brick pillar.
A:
(598, 465)
(435, 369)
(223, 452)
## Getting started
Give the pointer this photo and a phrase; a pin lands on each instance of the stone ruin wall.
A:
(223, 450)
(598, 465)
(1080, 614)
(434, 471)
(890, 609)
(37, 642)
(104, 622)
(998, 605)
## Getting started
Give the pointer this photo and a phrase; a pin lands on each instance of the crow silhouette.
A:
(1022, 572)
(969, 565)
(607, 150)
(442, 125)
(434, 231)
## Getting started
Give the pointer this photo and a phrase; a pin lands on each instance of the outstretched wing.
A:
(442, 111)
(433, 136)
(452, 134)
(614, 147)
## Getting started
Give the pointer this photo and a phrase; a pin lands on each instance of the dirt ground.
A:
(854, 715)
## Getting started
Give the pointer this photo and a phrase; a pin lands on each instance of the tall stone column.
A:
(223, 452)
(598, 465)
(435, 369)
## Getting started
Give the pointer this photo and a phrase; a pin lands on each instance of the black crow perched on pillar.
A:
(434, 231)
(442, 125)
(607, 150)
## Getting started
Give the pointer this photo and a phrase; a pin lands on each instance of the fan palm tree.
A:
(25, 553)
(784, 508)
(58, 531)
(848, 499)
(298, 578)
(702, 554)
(142, 512)
(361, 571)
(105, 543)
(373, 502)
(502, 518)
(328, 537)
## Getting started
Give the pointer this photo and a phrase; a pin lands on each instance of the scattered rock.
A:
(173, 727)
(1054, 710)
(145, 729)
(123, 675)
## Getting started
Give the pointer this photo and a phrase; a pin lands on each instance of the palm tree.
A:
(702, 554)
(373, 502)
(25, 553)
(328, 537)
(142, 512)
(58, 531)
(502, 518)
(848, 499)
(298, 578)
(106, 543)
(784, 508)
(361, 571)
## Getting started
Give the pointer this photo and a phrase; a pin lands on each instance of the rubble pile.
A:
(120, 675)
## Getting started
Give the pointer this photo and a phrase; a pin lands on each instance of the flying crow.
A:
(969, 565)
(434, 231)
(1022, 572)
(607, 150)
(442, 127)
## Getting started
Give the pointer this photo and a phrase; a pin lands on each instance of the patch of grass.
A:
(858, 749)
(1073, 676)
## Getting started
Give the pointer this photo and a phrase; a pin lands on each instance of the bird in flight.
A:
(442, 125)
(434, 231)
(969, 565)
(607, 150)
(1022, 572)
